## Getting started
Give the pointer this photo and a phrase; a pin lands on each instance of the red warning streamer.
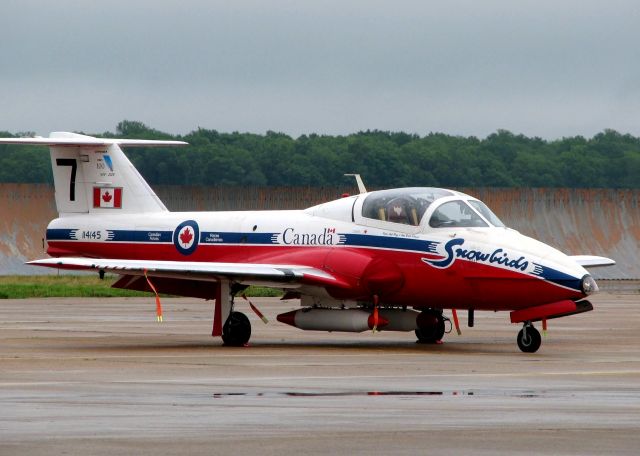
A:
(455, 321)
(376, 318)
(255, 309)
(158, 304)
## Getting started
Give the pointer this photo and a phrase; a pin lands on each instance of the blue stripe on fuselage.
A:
(557, 277)
(141, 236)
(388, 242)
(221, 237)
(59, 234)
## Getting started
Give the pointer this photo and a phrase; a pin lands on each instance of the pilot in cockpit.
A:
(400, 210)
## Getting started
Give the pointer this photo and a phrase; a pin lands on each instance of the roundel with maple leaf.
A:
(186, 237)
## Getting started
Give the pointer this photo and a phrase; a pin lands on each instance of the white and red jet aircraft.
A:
(390, 260)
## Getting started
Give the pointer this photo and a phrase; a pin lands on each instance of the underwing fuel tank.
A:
(353, 320)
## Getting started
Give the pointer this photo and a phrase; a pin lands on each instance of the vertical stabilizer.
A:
(93, 175)
(105, 181)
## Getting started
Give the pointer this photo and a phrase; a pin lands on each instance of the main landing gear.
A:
(529, 339)
(431, 326)
(233, 327)
(236, 330)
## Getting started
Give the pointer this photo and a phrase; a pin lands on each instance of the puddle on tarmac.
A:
(407, 394)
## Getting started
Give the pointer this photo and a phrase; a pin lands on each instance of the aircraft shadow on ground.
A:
(333, 346)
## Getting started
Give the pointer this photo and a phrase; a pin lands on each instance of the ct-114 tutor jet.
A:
(390, 260)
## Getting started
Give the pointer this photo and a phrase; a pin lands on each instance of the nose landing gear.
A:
(529, 339)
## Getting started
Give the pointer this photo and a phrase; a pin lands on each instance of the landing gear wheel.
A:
(529, 339)
(433, 327)
(236, 330)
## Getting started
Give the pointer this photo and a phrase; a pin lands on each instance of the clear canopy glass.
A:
(486, 212)
(454, 214)
(403, 205)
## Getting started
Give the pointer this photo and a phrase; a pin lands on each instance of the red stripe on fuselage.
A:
(465, 284)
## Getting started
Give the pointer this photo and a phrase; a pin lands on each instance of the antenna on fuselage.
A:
(361, 187)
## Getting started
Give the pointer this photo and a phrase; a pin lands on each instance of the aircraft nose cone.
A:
(589, 285)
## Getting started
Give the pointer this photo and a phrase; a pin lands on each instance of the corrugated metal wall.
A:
(577, 221)
(245, 198)
(25, 211)
(597, 221)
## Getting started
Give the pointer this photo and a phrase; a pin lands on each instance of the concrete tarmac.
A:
(100, 376)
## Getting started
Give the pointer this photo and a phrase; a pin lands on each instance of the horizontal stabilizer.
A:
(592, 261)
(74, 139)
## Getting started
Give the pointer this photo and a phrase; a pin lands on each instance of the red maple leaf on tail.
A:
(106, 197)
(186, 236)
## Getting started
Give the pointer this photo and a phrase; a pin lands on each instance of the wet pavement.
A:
(100, 376)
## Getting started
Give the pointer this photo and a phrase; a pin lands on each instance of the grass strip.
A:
(71, 286)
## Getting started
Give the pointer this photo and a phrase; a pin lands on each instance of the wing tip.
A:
(593, 261)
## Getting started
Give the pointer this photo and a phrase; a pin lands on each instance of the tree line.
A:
(384, 159)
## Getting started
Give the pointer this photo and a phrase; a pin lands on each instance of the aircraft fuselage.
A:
(482, 268)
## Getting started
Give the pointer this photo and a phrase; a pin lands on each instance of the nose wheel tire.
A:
(529, 339)
(236, 330)
(430, 334)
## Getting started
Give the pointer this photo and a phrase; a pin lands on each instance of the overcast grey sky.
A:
(545, 68)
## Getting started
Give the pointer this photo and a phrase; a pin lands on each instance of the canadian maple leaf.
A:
(106, 197)
(186, 236)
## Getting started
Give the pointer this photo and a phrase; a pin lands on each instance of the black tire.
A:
(431, 335)
(236, 331)
(532, 342)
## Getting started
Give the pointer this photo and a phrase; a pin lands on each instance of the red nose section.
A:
(548, 311)
(288, 318)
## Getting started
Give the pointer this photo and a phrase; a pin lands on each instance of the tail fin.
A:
(93, 175)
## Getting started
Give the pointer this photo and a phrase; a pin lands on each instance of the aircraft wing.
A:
(592, 261)
(246, 273)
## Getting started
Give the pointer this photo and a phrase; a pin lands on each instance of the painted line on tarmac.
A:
(395, 377)
(208, 381)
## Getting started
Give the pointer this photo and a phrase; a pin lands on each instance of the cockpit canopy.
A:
(401, 205)
(407, 206)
